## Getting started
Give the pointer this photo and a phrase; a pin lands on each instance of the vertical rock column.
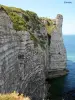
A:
(57, 49)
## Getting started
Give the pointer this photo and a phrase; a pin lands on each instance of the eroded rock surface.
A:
(23, 66)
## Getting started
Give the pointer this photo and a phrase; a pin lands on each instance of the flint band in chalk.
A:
(67, 2)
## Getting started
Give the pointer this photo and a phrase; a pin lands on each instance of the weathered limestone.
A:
(22, 66)
(8, 55)
(31, 64)
(57, 50)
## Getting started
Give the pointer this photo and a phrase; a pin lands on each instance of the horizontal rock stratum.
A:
(31, 50)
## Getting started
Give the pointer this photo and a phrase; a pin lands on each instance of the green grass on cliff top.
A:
(28, 20)
(24, 20)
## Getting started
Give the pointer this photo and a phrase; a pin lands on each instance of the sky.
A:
(49, 8)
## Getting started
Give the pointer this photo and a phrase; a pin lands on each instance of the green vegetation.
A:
(18, 22)
(49, 25)
(29, 21)
(37, 41)
(32, 37)
(24, 20)
(21, 18)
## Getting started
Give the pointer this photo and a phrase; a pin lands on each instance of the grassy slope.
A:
(22, 22)
(28, 20)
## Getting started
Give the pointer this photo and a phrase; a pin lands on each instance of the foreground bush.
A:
(13, 96)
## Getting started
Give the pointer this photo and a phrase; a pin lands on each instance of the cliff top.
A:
(27, 20)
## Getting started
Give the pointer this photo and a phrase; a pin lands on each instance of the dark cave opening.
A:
(49, 39)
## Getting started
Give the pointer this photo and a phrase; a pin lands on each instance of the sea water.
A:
(61, 86)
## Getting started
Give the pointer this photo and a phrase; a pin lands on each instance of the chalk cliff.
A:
(29, 56)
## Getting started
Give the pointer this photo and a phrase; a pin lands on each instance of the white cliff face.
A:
(8, 54)
(22, 66)
(57, 49)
